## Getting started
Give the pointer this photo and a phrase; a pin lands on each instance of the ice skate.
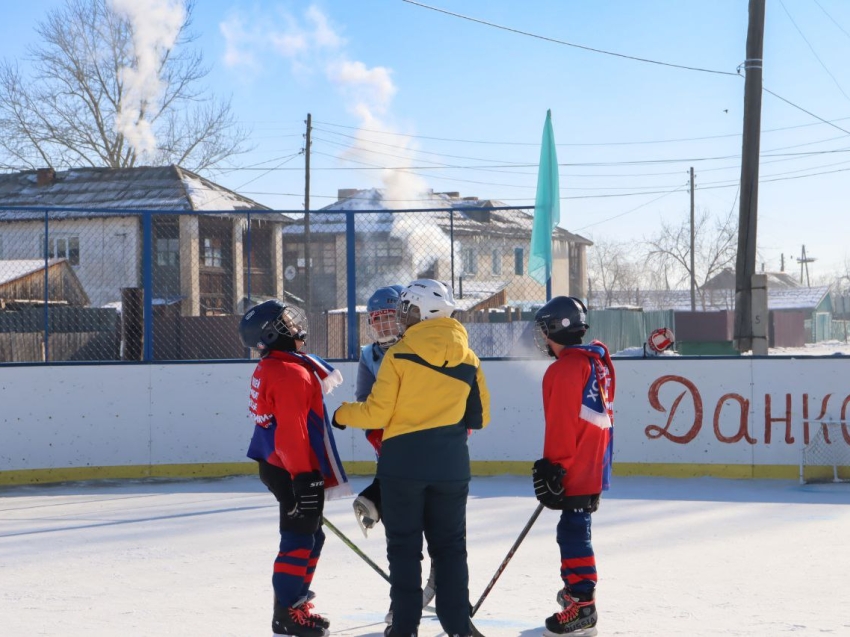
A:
(306, 604)
(297, 622)
(578, 616)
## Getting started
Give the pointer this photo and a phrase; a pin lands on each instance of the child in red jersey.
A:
(578, 394)
(294, 448)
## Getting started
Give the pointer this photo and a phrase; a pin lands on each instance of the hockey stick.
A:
(356, 549)
(507, 559)
(378, 569)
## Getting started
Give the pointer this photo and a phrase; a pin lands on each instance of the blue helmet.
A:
(384, 299)
(273, 325)
(381, 308)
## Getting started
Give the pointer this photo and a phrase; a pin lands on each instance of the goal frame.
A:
(829, 455)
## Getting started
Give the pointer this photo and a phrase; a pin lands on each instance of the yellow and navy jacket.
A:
(428, 392)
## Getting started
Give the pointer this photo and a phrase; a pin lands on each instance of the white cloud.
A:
(312, 45)
(369, 87)
(237, 39)
(323, 35)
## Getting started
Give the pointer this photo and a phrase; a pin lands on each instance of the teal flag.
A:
(547, 207)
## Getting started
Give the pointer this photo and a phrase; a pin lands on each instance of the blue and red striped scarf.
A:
(597, 403)
(320, 431)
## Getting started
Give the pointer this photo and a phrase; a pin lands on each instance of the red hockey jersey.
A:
(578, 393)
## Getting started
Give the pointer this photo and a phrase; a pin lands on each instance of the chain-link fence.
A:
(156, 285)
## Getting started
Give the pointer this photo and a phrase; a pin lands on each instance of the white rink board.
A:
(669, 410)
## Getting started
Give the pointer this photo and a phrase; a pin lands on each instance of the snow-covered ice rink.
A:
(193, 558)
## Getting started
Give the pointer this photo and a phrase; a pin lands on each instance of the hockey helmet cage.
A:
(661, 340)
(263, 324)
(381, 311)
(559, 320)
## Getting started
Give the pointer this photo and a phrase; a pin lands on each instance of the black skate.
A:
(578, 616)
(297, 622)
(306, 604)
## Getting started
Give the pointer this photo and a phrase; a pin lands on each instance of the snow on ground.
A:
(824, 348)
(193, 558)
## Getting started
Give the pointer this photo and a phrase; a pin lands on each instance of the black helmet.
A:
(273, 325)
(561, 320)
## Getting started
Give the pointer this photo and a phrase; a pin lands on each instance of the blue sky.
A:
(394, 67)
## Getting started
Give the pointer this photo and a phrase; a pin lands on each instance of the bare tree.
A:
(615, 276)
(715, 242)
(104, 89)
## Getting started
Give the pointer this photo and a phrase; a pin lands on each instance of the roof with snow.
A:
(473, 215)
(725, 280)
(94, 192)
(14, 269)
(799, 298)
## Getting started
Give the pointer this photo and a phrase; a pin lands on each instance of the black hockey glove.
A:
(309, 492)
(335, 424)
(548, 483)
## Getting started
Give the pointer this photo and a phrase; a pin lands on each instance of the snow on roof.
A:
(13, 269)
(474, 215)
(95, 190)
(205, 195)
(680, 300)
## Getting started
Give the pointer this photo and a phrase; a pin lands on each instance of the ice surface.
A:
(193, 558)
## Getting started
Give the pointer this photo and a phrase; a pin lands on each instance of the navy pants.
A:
(578, 562)
(437, 510)
(301, 541)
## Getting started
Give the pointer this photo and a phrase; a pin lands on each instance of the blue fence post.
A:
(248, 241)
(147, 284)
(46, 287)
(353, 339)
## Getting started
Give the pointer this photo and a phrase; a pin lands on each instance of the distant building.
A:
(94, 222)
(482, 252)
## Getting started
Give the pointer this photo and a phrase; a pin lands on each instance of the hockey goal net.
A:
(827, 456)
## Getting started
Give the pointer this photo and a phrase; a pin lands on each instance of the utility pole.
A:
(804, 262)
(745, 265)
(693, 272)
(308, 296)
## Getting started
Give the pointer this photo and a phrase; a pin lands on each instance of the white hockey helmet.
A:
(424, 299)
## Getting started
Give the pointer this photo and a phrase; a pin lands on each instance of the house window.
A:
(496, 262)
(574, 259)
(380, 256)
(168, 252)
(470, 262)
(62, 247)
(212, 252)
(518, 261)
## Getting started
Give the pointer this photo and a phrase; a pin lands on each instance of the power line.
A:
(797, 106)
(812, 49)
(568, 144)
(834, 21)
(636, 208)
(571, 44)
